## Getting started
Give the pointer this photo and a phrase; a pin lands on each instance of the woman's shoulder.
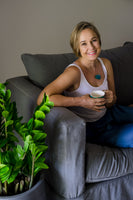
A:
(73, 68)
(107, 63)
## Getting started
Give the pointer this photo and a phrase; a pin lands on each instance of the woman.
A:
(88, 73)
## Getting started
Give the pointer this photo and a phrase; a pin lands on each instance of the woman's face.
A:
(89, 45)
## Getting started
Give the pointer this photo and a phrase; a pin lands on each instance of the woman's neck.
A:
(87, 63)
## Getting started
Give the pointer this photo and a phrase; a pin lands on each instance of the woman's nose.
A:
(91, 46)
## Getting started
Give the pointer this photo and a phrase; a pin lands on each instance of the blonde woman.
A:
(90, 72)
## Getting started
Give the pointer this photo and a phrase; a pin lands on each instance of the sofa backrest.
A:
(44, 68)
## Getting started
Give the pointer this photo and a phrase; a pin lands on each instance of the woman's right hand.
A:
(96, 104)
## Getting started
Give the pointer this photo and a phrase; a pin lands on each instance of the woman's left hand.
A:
(109, 96)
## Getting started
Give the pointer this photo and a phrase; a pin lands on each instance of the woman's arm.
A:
(110, 95)
(69, 80)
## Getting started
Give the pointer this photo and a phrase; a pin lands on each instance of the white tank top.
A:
(86, 88)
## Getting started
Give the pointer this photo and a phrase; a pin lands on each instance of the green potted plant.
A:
(21, 164)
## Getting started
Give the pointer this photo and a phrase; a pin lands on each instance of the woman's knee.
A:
(125, 136)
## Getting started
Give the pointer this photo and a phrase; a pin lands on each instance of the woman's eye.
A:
(83, 44)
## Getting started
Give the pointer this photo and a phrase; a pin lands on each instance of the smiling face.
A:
(89, 44)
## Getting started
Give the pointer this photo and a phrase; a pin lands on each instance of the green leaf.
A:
(2, 101)
(8, 123)
(38, 156)
(12, 138)
(8, 94)
(3, 166)
(8, 157)
(2, 89)
(40, 136)
(3, 142)
(30, 124)
(38, 123)
(5, 114)
(39, 115)
(2, 106)
(37, 131)
(42, 148)
(38, 169)
(41, 165)
(20, 151)
(49, 104)
(26, 146)
(45, 109)
(12, 177)
(5, 173)
(33, 149)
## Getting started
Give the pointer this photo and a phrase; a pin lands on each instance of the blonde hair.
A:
(74, 39)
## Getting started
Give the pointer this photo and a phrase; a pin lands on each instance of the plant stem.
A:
(5, 133)
(5, 187)
(16, 187)
(21, 185)
(0, 188)
(32, 173)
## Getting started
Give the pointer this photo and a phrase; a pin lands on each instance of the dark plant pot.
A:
(37, 192)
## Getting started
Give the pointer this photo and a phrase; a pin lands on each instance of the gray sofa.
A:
(78, 170)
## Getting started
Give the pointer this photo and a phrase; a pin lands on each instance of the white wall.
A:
(44, 26)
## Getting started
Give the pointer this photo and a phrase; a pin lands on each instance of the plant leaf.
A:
(20, 151)
(39, 115)
(38, 123)
(8, 94)
(45, 109)
(40, 136)
(7, 123)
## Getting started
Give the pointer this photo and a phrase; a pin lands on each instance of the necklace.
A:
(98, 76)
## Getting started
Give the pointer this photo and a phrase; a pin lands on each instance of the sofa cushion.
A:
(43, 68)
(105, 163)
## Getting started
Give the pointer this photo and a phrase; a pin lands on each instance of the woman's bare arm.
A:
(68, 80)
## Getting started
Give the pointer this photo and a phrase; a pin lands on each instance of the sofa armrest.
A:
(25, 94)
(66, 152)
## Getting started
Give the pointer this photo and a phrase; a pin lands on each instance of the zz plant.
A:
(20, 164)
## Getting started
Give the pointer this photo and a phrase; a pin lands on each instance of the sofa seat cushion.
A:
(105, 163)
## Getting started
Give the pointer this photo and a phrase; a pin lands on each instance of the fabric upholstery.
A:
(106, 163)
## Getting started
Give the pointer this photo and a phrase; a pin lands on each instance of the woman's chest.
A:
(94, 79)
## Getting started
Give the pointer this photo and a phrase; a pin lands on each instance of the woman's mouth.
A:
(92, 53)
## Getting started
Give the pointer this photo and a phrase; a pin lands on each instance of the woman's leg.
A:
(122, 114)
(115, 128)
(122, 136)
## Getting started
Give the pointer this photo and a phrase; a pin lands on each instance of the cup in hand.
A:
(97, 94)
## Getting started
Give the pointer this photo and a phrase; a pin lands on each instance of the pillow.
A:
(43, 68)
(105, 163)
